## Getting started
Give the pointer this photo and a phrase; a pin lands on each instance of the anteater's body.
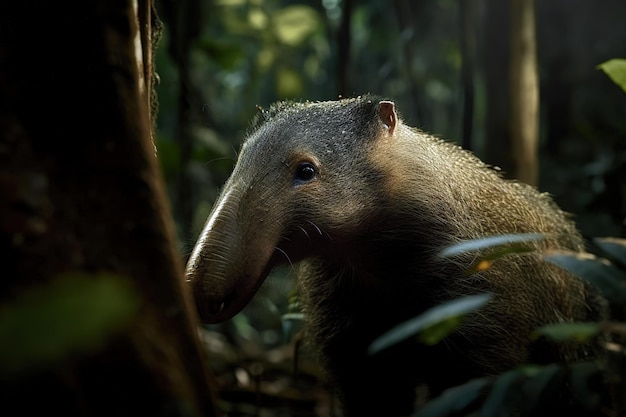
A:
(365, 204)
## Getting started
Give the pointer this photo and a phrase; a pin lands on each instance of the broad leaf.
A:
(433, 334)
(294, 23)
(544, 381)
(504, 395)
(489, 242)
(569, 332)
(613, 246)
(74, 314)
(582, 390)
(616, 70)
(454, 400)
(292, 323)
(599, 272)
(447, 314)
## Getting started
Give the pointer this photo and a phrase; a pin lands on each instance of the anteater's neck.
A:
(363, 287)
(355, 296)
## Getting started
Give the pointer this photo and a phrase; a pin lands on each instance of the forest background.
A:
(445, 63)
(94, 317)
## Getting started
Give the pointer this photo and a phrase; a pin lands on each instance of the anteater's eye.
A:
(305, 172)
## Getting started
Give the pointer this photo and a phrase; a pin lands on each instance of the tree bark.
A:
(467, 12)
(81, 195)
(184, 20)
(344, 50)
(524, 91)
(495, 57)
(407, 17)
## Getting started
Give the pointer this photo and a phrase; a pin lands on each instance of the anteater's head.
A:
(302, 184)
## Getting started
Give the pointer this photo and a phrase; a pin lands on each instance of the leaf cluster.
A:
(531, 389)
(76, 313)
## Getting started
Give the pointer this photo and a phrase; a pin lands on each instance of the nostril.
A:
(216, 308)
(212, 310)
(209, 310)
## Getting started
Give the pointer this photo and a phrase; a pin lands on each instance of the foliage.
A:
(529, 389)
(74, 314)
(499, 246)
(538, 389)
(598, 271)
(515, 243)
(454, 400)
(616, 70)
(251, 53)
(565, 332)
(433, 325)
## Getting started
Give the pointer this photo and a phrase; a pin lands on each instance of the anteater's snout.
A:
(230, 259)
(210, 303)
(218, 299)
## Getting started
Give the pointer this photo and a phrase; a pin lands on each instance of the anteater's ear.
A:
(387, 114)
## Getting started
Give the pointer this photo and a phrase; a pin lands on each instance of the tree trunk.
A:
(407, 24)
(344, 50)
(467, 15)
(495, 53)
(86, 233)
(524, 91)
(183, 20)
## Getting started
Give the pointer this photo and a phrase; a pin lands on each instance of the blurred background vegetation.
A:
(218, 60)
(446, 65)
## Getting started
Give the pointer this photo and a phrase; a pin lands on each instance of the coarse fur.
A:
(366, 231)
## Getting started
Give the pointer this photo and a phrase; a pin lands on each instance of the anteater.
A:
(363, 205)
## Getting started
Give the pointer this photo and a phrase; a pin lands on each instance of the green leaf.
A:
(289, 83)
(489, 242)
(598, 271)
(581, 375)
(454, 400)
(76, 313)
(505, 394)
(522, 388)
(441, 320)
(616, 70)
(169, 156)
(540, 387)
(293, 316)
(291, 324)
(228, 54)
(294, 24)
(613, 246)
(569, 332)
(433, 334)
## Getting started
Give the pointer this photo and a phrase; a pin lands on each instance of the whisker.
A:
(219, 159)
(316, 228)
(286, 256)
(305, 233)
(322, 233)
